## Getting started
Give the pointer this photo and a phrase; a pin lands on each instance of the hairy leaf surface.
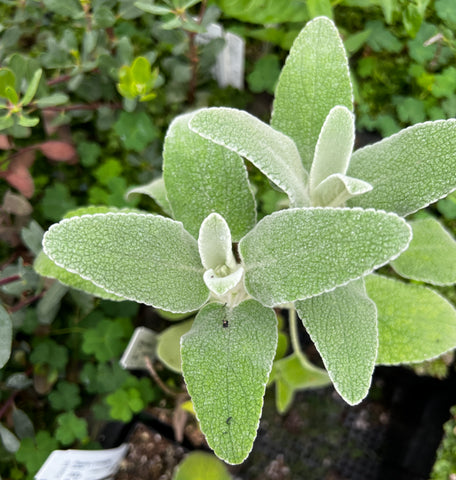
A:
(299, 253)
(146, 258)
(270, 151)
(431, 256)
(202, 177)
(315, 79)
(226, 360)
(408, 170)
(415, 323)
(334, 146)
(343, 326)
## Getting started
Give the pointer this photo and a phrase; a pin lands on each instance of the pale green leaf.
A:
(214, 243)
(222, 284)
(336, 189)
(408, 170)
(334, 146)
(146, 258)
(6, 335)
(343, 326)
(226, 360)
(315, 79)
(415, 323)
(202, 177)
(32, 87)
(299, 253)
(154, 9)
(10, 442)
(168, 345)
(201, 466)
(292, 376)
(46, 267)
(431, 256)
(155, 190)
(26, 121)
(270, 151)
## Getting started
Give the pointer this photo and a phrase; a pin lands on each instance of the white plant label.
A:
(82, 464)
(142, 344)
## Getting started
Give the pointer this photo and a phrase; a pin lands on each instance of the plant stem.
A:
(158, 380)
(11, 279)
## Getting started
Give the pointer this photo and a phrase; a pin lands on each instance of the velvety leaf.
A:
(415, 323)
(155, 190)
(343, 326)
(408, 170)
(270, 151)
(46, 267)
(299, 253)
(336, 189)
(315, 79)
(431, 256)
(292, 376)
(202, 177)
(6, 335)
(226, 360)
(201, 465)
(334, 146)
(168, 345)
(146, 258)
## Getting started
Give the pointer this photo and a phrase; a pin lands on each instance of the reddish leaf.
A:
(5, 143)
(18, 175)
(58, 151)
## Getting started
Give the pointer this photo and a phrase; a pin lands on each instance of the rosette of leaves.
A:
(317, 257)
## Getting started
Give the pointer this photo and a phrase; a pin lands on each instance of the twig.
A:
(11, 279)
(83, 106)
(25, 303)
(158, 380)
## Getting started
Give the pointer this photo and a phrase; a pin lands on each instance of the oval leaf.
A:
(202, 177)
(415, 323)
(343, 326)
(168, 345)
(431, 256)
(145, 258)
(315, 79)
(408, 170)
(299, 253)
(226, 360)
(270, 151)
(334, 146)
(6, 336)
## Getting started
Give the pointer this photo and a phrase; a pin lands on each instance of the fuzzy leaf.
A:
(202, 177)
(291, 376)
(270, 151)
(343, 326)
(6, 335)
(168, 345)
(214, 242)
(155, 190)
(336, 189)
(408, 170)
(315, 79)
(299, 253)
(226, 368)
(334, 146)
(431, 256)
(46, 267)
(146, 258)
(415, 323)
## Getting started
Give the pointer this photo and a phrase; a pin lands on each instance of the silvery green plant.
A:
(316, 258)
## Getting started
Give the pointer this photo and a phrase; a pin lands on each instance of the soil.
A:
(393, 434)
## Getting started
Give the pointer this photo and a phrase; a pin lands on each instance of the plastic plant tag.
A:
(141, 345)
(82, 464)
(229, 65)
